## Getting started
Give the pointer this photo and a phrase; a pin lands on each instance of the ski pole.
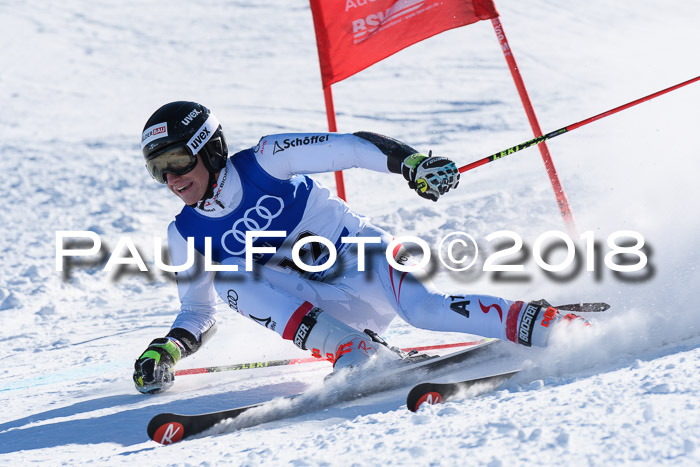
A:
(246, 366)
(296, 361)
(561, 131)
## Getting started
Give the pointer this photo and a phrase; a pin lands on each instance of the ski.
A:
(436, 393)
(168, 428)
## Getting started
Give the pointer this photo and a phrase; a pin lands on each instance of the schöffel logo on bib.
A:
(527, 322)
(298, 142)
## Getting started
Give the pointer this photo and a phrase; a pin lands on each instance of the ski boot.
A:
(532, 323)
(347, 348)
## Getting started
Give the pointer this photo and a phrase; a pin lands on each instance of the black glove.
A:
(153, 370)
(430, 176)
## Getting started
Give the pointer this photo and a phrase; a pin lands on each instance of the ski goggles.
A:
(176, 160)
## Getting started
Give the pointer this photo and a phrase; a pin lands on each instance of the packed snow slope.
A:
(79, 80)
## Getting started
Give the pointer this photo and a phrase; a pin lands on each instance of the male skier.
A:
(266, 189)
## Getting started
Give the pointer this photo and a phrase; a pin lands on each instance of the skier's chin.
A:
(190, 194)
(190, 200)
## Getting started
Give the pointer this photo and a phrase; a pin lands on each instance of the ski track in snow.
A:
(80, 79)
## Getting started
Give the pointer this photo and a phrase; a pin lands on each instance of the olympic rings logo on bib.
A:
(259, 217)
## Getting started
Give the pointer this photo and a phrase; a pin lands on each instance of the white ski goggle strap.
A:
(204, 134)
(159, 130)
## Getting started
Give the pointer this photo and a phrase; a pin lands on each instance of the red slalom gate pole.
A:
(296, 361)
(330, 115)
(562, 202)
(573, 126)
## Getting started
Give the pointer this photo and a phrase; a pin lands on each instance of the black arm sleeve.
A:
(395, 150)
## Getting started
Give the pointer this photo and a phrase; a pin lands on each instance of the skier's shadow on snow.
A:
(126, 427)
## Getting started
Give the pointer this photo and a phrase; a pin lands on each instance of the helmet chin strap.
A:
(210, 190)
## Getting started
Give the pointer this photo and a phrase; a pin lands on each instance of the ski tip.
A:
(430, 398)
(162, 429)
(423, 394)
(437, 393)
(169, 433)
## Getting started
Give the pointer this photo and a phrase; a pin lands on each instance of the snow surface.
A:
(80, 79)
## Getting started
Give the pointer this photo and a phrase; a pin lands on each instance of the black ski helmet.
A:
(190, 124)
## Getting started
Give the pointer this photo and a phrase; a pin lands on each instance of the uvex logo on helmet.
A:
(200, 138)
(190, 116)
(204, 134)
